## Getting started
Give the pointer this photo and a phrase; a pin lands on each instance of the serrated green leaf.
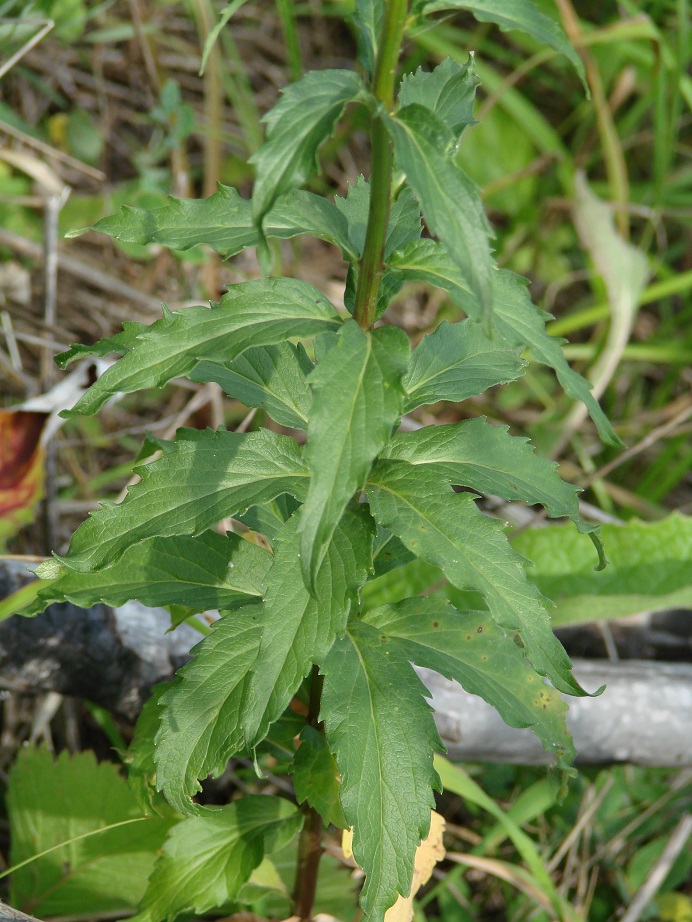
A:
(257, 313)
(268, 518)
(299, 628)
(315, 777)
(199, 481)
(298, 124)
(200, 716)
(388, 552)
(522, 15)
(446, 529)
(368, 20)
(381, 730)
(474, 651)
(450, 201)
(271, 377)
(223, 222)
(404, 217)
(517, 320)
(449, 91)
(120, 344)
(51, 801)
(210, 571)
(458, 361)
(486, 458)
(357, 401)
(208, 858)
(650, 569)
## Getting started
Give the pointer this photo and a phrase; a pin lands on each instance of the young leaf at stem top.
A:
(450, 201)
(298, 124)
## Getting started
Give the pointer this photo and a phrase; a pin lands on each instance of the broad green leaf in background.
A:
(271, 377)
(256, 313)
(50, 801)
(205, 477)
(299, 628)
(210, 571)
(458, 361)
(381, 730)
(298, 124)
(368, 20)
(446, 529)
(650, 569)
(223, 222)
(477, 454)
(404, 217)
(200, 716)
(207, 858)
(357, 401)
(316, 777)
(450, 201)
(449, 91)
(515, 318)
(471, 649)
(522, 15)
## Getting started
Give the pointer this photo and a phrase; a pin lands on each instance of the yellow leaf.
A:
(347, 842)
(428, 853)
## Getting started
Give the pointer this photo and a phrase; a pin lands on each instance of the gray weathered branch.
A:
(114, 656)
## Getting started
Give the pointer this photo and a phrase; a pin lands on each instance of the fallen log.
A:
(114, 656)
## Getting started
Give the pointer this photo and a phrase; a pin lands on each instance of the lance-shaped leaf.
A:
(204, 477)
(381, 730)
(271, 377)
(450, 201)
(207, 859)
(404, 217)
(472, 649)
(298, 124)
(210, 571)
(368, 20)
(449, 91)
(517, 320)
(357, 400)
(223, 222)
(486, 458)
(300, 628)
(201, 712)
(458, 361)
(256, 313)
(446, 529)
(522, 15)
(120, 343)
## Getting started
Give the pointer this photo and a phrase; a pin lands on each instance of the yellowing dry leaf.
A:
(428, 853)
(347, 842)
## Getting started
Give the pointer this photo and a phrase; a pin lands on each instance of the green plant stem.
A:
(310, 842)
(372, 261)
